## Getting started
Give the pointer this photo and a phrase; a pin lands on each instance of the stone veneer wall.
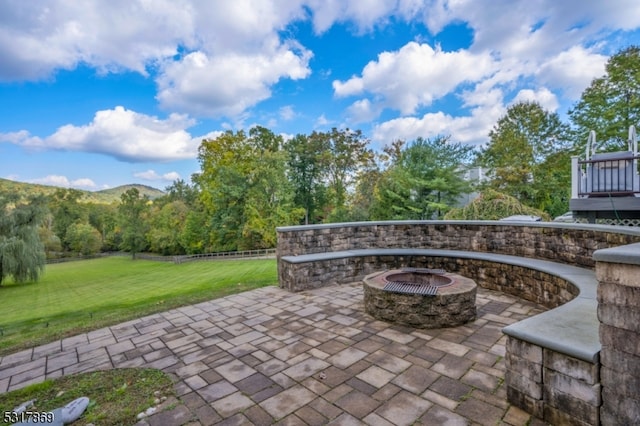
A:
(567, 243)
(558, 388)
(539, 287)
(618, 273)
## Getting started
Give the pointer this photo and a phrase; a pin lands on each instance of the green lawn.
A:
(79, 296)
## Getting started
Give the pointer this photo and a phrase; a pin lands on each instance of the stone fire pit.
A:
(420, 298)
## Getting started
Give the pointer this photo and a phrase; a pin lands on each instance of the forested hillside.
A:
(106, 196)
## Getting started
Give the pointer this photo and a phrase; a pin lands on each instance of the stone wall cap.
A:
(571, 329)
(628, 254)
(625, 230)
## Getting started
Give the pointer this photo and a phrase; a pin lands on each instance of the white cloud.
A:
(83, 183)
(365, 13)
(543, 44)
(572, 70)
(416, 75)
(123, 134)
(234, 50)
(154, 176)
(362, 111)
(171, 176)
(227, 85)
(471, 129)
(63, 181)
(532, 28)
(37, 39)
(485, 106)
(322, 121)
(544, 97)
(287, 113)
(223, 58)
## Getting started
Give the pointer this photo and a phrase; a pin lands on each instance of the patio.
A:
(270, 356)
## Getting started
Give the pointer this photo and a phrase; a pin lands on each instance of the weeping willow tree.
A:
(493, 205)
(22, 254)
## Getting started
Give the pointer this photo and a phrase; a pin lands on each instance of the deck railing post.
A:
(575, 176)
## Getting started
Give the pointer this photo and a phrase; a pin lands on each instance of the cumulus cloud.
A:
(364, 13)
(362, 111)
(537, 51)
(233, 51)
(121, 133)
(227, 85)
(415, 75)
(37, 39)
(287, 112)
(65, 182)
(572, 70)
(469, 129)
(152, 175)
(485, 105)
(557, 42)
(222, 60)
(544, 97)
(322, 121)
(535, 28)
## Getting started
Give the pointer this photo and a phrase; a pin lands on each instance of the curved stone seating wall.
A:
(567, 243)
(553, 360)
(508, 274)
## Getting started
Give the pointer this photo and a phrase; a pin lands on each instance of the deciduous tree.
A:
(166, 224)
(612, 102)
(523, 145)
(84, 238)
(244, 187)
(66, 209)
(307, 158)
(346, 154)
(22, 255)
(131, 213)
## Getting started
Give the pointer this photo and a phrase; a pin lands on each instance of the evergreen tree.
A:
(423, 181)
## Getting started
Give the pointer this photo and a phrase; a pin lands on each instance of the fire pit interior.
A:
(422, 298)
(416, 281)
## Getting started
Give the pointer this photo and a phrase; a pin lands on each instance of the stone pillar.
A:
(571, 390)
(523, 376)
(618, 273)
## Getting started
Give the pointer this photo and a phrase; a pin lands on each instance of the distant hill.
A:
(105, 196)
(149, 191)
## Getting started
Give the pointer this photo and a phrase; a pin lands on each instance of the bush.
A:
(493, 205)
(84, 238)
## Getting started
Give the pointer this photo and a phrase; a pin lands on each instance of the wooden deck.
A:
(606, 207)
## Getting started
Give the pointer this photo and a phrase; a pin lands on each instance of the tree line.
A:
(251, 182)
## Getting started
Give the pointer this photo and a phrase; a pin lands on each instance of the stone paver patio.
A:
(272, 357)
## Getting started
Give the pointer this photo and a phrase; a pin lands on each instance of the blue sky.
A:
(99, 94)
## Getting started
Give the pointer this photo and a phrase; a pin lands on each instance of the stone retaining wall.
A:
(536, 286)
(573, 244)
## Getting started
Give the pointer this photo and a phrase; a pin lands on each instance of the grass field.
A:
(79, 296)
